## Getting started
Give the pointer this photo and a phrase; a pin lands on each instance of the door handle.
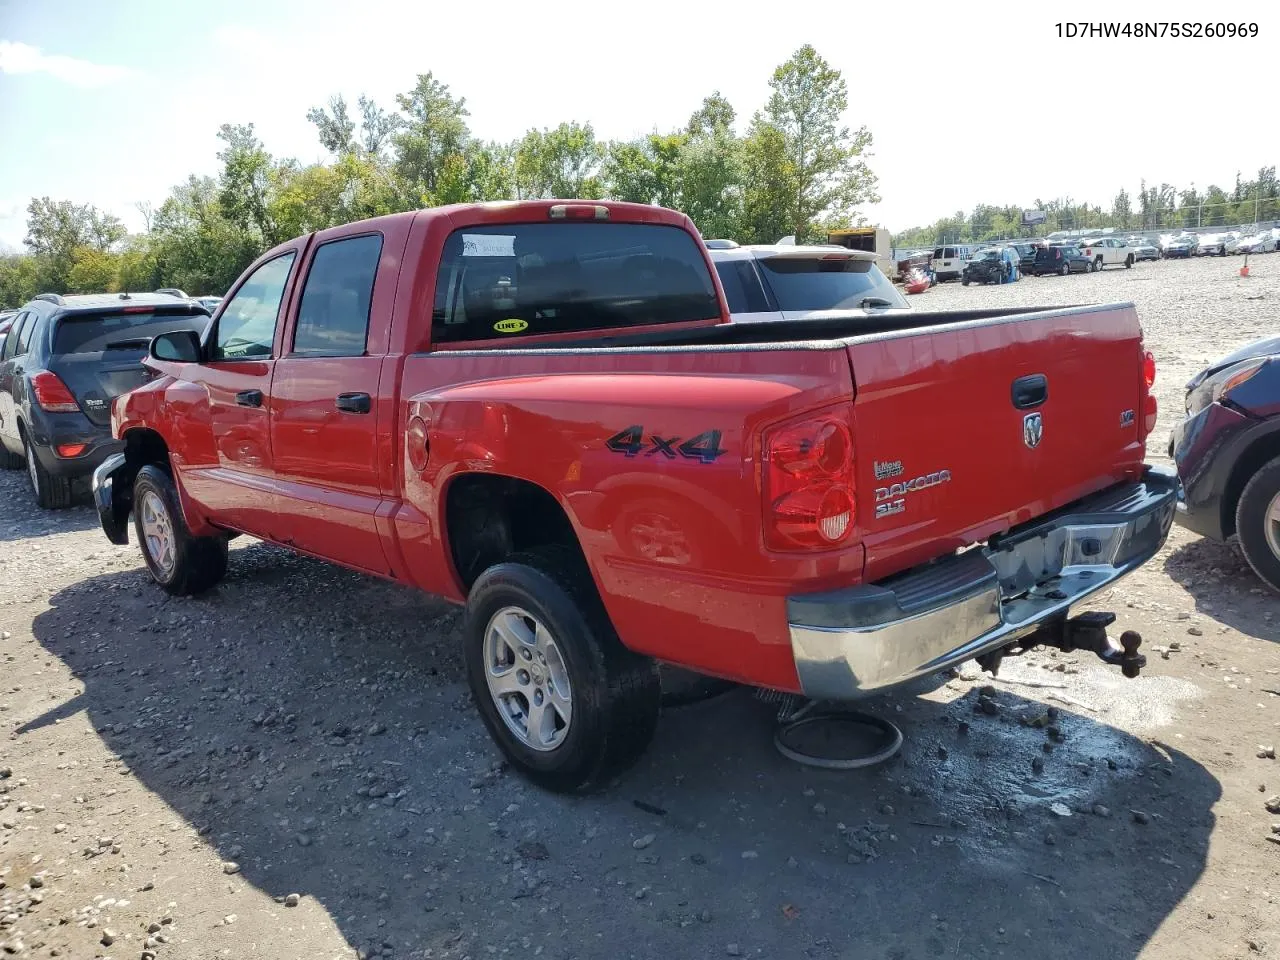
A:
(1030, 391)
(249, 398)
(354, 403)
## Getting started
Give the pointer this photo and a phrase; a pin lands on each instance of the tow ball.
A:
(1088, 631)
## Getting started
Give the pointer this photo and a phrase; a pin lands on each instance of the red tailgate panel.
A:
(938, 404)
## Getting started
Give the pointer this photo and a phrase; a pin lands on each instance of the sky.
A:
(113, 103)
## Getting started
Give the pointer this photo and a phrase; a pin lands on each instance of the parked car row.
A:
(1188, 244)
(971, 263)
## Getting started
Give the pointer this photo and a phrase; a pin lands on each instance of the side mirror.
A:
(182, 346)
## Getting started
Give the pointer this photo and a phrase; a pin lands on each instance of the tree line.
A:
(1153, 208)
(797, 169)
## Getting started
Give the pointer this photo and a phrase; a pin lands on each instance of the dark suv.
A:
(1228, 454)
(63, 362)
(1060, 260)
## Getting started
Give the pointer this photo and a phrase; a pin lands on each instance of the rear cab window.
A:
(820, 283)
(128, 330)
(513, 280)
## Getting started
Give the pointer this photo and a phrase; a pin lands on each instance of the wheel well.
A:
(488, 518)
(1263, 450)
(143, 447)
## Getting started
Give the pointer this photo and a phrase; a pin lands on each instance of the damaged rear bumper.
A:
(868, 638)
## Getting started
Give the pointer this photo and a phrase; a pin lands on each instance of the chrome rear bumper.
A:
(859, 640)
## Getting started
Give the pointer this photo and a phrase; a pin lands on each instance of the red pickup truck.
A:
(541, 410)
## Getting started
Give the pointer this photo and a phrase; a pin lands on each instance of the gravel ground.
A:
(289, 767)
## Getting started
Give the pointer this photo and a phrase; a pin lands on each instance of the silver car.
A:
(765, 282)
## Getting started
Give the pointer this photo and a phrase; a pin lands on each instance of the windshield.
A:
(804, 283)
(987, 255)
(531, 278)
(100, 332)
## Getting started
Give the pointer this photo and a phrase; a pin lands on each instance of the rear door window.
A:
(815, 283)
(24, 335)
(525, 279)
(741, 286)
(11, 341)
(333, 319)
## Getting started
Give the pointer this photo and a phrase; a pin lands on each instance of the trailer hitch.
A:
(1087, 631)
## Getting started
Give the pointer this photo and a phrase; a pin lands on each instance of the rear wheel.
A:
(1066, 268)
(52, 493)
(964, 282)
(564, 700)
(1258, 523)
(178, 561)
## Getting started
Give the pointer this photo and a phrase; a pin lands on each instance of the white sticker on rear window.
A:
(488, 245)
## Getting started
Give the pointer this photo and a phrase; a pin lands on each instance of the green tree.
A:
(561, 163)
(435, 130)
(648, 170)
(769, 176)
(825, 174)
(57, 229)
(335, 126)
(1121, 210)
(712, 170)
(1216, 207)
(19, 279)
(377, 126)
(92, 271)
(247, 183)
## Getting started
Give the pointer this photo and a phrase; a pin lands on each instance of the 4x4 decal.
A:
(705, 447)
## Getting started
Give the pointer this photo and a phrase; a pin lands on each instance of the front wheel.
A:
(1066, 268)
(1128, 261)
(1258, 523)
(964, 282)
(178, 561)
(11, 461)
(564, 700)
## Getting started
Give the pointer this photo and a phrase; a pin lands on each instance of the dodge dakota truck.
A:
(541, 410)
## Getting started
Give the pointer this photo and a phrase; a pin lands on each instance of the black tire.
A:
(197, 562)
(615, 696)
(52, 493)
(964, 282)
(1066, 268)
(11, 461)
(1261, 546)
(1128, 261)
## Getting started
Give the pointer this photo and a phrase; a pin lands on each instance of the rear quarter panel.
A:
(673, 540)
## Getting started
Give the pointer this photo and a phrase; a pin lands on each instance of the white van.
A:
(948, 262)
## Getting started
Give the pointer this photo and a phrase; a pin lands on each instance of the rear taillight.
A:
(808, 481)
(52, 394)
(1150, 408)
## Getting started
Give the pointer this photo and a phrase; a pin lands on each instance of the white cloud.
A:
(241, 39)
(18, 58)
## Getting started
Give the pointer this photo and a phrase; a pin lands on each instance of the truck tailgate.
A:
(966, 430)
